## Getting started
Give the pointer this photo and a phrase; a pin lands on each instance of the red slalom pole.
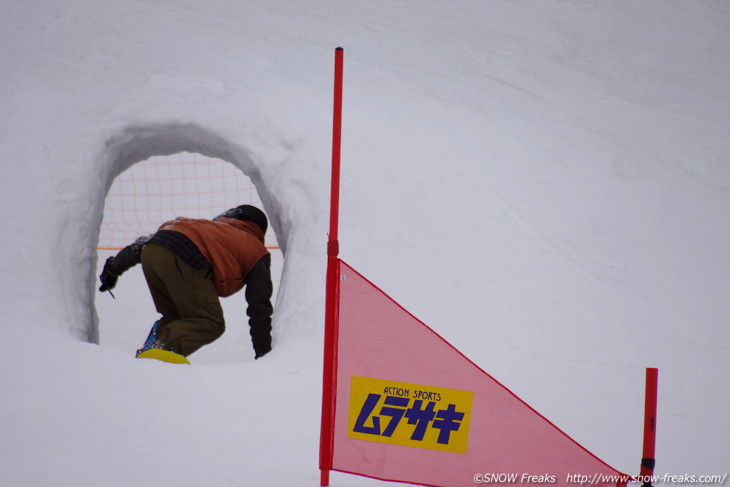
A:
(333, 244)
(329, 369)
(650, 404)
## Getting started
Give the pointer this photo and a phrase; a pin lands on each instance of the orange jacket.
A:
(232, 246)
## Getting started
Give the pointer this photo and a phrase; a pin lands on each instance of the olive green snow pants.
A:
(187, 299)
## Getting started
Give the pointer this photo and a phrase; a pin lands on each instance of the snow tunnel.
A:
(138, 144)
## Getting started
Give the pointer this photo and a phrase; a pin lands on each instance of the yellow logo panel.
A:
(406, 414)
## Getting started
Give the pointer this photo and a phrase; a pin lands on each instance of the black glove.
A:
(262, 350)
(108, 278)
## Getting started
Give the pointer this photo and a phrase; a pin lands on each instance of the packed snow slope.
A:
(545, 183)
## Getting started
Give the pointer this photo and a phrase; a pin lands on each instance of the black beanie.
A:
(247, 213)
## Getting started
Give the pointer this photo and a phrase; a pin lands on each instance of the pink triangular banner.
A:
(411, 408)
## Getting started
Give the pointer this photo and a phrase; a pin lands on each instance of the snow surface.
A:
(545, 183)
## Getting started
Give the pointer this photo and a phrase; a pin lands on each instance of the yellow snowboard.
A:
(164, 355)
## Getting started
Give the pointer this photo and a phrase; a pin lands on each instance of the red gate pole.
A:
(329, 369)
(650, 403)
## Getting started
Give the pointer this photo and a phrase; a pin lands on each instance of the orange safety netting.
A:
(163, 188)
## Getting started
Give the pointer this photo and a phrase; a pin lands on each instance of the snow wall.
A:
(573, 158)
(89, 92)
(70, 224)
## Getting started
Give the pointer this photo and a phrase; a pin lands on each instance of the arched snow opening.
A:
(140, 199)
(139, 143)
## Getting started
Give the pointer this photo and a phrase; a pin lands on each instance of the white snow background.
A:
(545, 183)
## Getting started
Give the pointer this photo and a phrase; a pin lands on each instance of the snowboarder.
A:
(189, 264)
